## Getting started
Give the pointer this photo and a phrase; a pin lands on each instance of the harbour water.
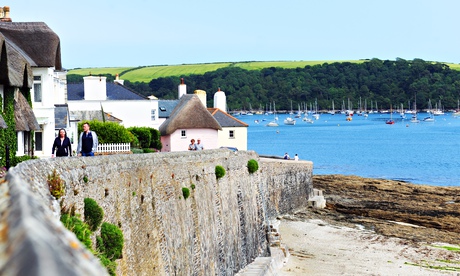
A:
(422, 153)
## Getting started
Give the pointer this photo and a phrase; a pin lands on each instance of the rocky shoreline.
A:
(392, 208)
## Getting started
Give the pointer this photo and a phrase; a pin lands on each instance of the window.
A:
(38, 141)
(153, 114)
(231, 134)
(183, 134)
(37, 89)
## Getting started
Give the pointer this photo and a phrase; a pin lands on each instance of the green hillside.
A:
(147, 73)
(99, 71)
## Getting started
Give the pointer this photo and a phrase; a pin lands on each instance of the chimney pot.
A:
(6, 14)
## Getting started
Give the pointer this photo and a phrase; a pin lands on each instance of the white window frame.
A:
(231, 134)
(38, 83)
(153, 114)
(183, 133)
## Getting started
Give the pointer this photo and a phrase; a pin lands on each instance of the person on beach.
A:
(286, 156)
(199, 145)
(296, 157)
(62, 145)
(192, 145)
(87, 143)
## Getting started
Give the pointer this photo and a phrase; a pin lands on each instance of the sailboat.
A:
(316, 115)
(390, 121)
(306, 117)
(332, 112)
(289, 120)
(430, 117)
(273, 123)
(414, 116)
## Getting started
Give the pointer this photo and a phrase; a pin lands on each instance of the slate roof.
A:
(165, 107)
(89, 115)
(61, 116)
(189, 113)
(24, 45)
(225, 119)
(115, 91)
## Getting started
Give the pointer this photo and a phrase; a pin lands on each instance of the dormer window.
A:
(162, 108)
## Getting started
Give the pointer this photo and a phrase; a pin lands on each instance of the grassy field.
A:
(147, 73)
(97, 71)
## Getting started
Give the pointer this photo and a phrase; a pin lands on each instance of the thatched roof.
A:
(26, 44)
(189, 113)
(15, 70)
(23, 115)
(225, 119)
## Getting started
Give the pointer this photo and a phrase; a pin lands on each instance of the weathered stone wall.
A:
(218, 230)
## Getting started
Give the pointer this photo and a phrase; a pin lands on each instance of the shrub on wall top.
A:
(253, 166)
(93, 213)
(56, 185)
(220, 171)
(112, 241)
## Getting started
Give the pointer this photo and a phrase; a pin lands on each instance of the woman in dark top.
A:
(62, 145)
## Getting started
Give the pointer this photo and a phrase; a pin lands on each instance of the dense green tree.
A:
(384, 81)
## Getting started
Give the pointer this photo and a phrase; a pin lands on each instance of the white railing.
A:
(120, 147)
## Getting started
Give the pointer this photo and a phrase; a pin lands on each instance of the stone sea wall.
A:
(218, 230)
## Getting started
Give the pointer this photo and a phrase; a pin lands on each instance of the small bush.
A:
(56, 185)
(79, 228)
(112, 241)
(143, 134)
(93, 213)
(253, 166)
(85, 178)
(220, 171)
(110, 265)
(137, 151)
(192, 186)
(185, 192)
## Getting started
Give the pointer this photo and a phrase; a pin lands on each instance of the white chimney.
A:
(220, 100)
(6, 14)
(182, 88)
(95, 88)
(202, 96)
(117, 80)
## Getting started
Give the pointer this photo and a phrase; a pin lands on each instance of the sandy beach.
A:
(384, 241)
(319, 248)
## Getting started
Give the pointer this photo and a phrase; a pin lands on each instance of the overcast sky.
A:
(103, 33)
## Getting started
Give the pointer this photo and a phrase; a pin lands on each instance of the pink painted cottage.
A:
(189, 120)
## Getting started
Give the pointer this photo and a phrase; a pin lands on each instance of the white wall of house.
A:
(132, 112)
(47, 85)
(178, 142)
(233, 137)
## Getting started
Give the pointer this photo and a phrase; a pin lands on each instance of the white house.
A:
(234, 133)
(32, 62)
(117, 101)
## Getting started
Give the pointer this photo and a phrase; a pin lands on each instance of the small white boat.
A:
(289, 121)
(272, 124)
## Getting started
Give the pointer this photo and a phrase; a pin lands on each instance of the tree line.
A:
(388, 83)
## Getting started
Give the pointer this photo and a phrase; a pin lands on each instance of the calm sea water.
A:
(422, 153)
